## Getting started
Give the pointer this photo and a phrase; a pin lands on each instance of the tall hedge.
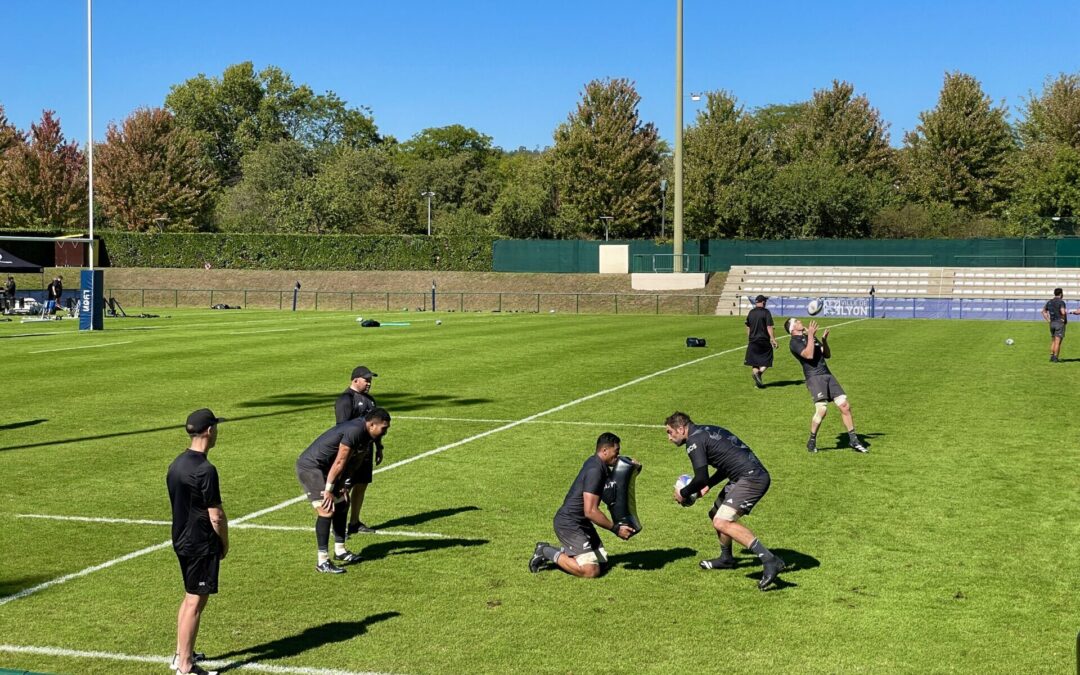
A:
(297, 252)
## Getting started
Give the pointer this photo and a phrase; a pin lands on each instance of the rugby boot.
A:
(347, 558)
(774, 565)
(721, 563)
(537, 562)
(329, 568)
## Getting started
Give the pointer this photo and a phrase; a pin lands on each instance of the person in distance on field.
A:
(760, 340)
(322, 469)
(582, 552)
(9, 294)
(748, 481)
(1054, 312)
(811, 352)
(354, 403)
(200, 532)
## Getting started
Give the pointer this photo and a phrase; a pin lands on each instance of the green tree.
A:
(265, 200)
(152, 171)
(525, 207)
(457, 163)
(44, 179)
(958, 153)
(607, 163)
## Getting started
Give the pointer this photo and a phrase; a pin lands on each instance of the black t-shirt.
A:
(193, 489)
(592, 478)
(708, 445)
(812, 366)
(758, 320)
(321, 454)
(1055, 307)
(59, 289)
(9, 287)
(352, 405)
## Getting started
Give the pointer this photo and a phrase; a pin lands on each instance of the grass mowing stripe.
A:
(235, 526)
(163, 660)
(267, 330)
(66, 349)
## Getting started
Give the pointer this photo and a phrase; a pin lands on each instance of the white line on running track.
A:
(296, 500)
(235, 525)
(66, 349)
(164, 660)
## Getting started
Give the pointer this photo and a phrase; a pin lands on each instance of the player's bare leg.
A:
(726, 526)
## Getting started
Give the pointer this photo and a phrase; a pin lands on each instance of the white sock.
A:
(324, 556)
(339, 548)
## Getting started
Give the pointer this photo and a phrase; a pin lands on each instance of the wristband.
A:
(615, 528)
(329, 487)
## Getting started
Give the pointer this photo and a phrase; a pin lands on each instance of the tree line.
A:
(252, 151)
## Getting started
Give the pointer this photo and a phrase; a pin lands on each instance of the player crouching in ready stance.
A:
(582, 552)
(748, 481)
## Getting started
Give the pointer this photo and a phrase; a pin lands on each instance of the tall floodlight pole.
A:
(429, 194)
(90, 120)
(677, 225)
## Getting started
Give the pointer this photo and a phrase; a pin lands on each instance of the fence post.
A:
(316, 301)
(537, 303)
(500, 309)
(245, 297)
(280, 298)
(658, 312)
(577, 306)
(176, 298)
(351, 307)
(616, 297)
(697, 308)
(211, 297)
(388, 307)
(142, 297)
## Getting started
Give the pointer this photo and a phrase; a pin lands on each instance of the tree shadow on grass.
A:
(384, 549)
(650, 560)
(394, 401)
(310, 638)
(427, 516)
(20, 425)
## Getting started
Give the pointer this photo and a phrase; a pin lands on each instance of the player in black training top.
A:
(811, 352)
(760, 341)
(353, 404)
(200, 532)
(1055, 313)
(321, 470)
(748, 481)
(582, 552)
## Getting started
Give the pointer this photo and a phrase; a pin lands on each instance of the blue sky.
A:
(515, 69)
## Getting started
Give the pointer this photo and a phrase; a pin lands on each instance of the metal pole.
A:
(90, 119)
(429, 217)
(678, 224)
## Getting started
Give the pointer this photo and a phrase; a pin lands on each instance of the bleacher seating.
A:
(898, 282)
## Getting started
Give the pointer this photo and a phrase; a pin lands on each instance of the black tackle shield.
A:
(620, 498)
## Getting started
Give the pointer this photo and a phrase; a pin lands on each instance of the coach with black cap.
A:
(760, 340)
(354, 404)
(200, 532)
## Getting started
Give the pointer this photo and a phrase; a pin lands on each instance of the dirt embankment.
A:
(495, 282)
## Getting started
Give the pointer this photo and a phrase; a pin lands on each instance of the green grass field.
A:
(951, 547)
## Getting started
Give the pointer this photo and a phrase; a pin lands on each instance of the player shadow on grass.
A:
(419, 518)
(13, 586)
(20, 425)
(393, 401)
(312, 637)
(794, 562)
(782, 383)
(384, 549)
(654, 559)
(843, 444)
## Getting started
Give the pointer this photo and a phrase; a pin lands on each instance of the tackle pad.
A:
(619, 494)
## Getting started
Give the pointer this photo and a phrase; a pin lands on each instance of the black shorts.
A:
(759, 354)
(742, 495)
(362, 467)
(578, 539)
(824, 388)
(200, 573)
(1057, 329)
(313, 481)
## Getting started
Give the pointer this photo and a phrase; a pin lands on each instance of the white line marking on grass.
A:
(164, 661)
(267, 330)
(237, 525)
(66, 349)
(494, 421)
(296, 500)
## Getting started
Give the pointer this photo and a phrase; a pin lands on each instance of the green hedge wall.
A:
(297, 252)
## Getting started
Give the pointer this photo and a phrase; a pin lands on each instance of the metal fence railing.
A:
(665, 262)
(457, 301)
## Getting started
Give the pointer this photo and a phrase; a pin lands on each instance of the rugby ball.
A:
(1009, 341)
(682, 482)
(814, 307)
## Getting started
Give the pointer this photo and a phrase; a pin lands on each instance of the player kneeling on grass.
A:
(322, 470)
(582, 552)
(748, 481)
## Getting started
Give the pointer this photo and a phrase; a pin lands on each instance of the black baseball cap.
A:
(364, 372)
(201, 420)
(761, 298)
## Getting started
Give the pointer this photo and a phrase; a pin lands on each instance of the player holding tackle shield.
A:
(604, 476)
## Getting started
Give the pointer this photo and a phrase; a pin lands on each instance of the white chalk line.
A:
(232, 526)
(501, 421)
(67, 349)
(296, 500)
(165, 660)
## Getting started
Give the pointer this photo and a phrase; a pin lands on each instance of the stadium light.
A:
(607, 221)
(429, 194)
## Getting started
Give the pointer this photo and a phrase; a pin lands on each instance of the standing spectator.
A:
(760, 340)
(9, 294)
(1054, 312)
(200, 532)
(52, 294)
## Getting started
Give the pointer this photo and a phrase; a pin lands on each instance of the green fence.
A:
(717, 255)
(460, 301)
